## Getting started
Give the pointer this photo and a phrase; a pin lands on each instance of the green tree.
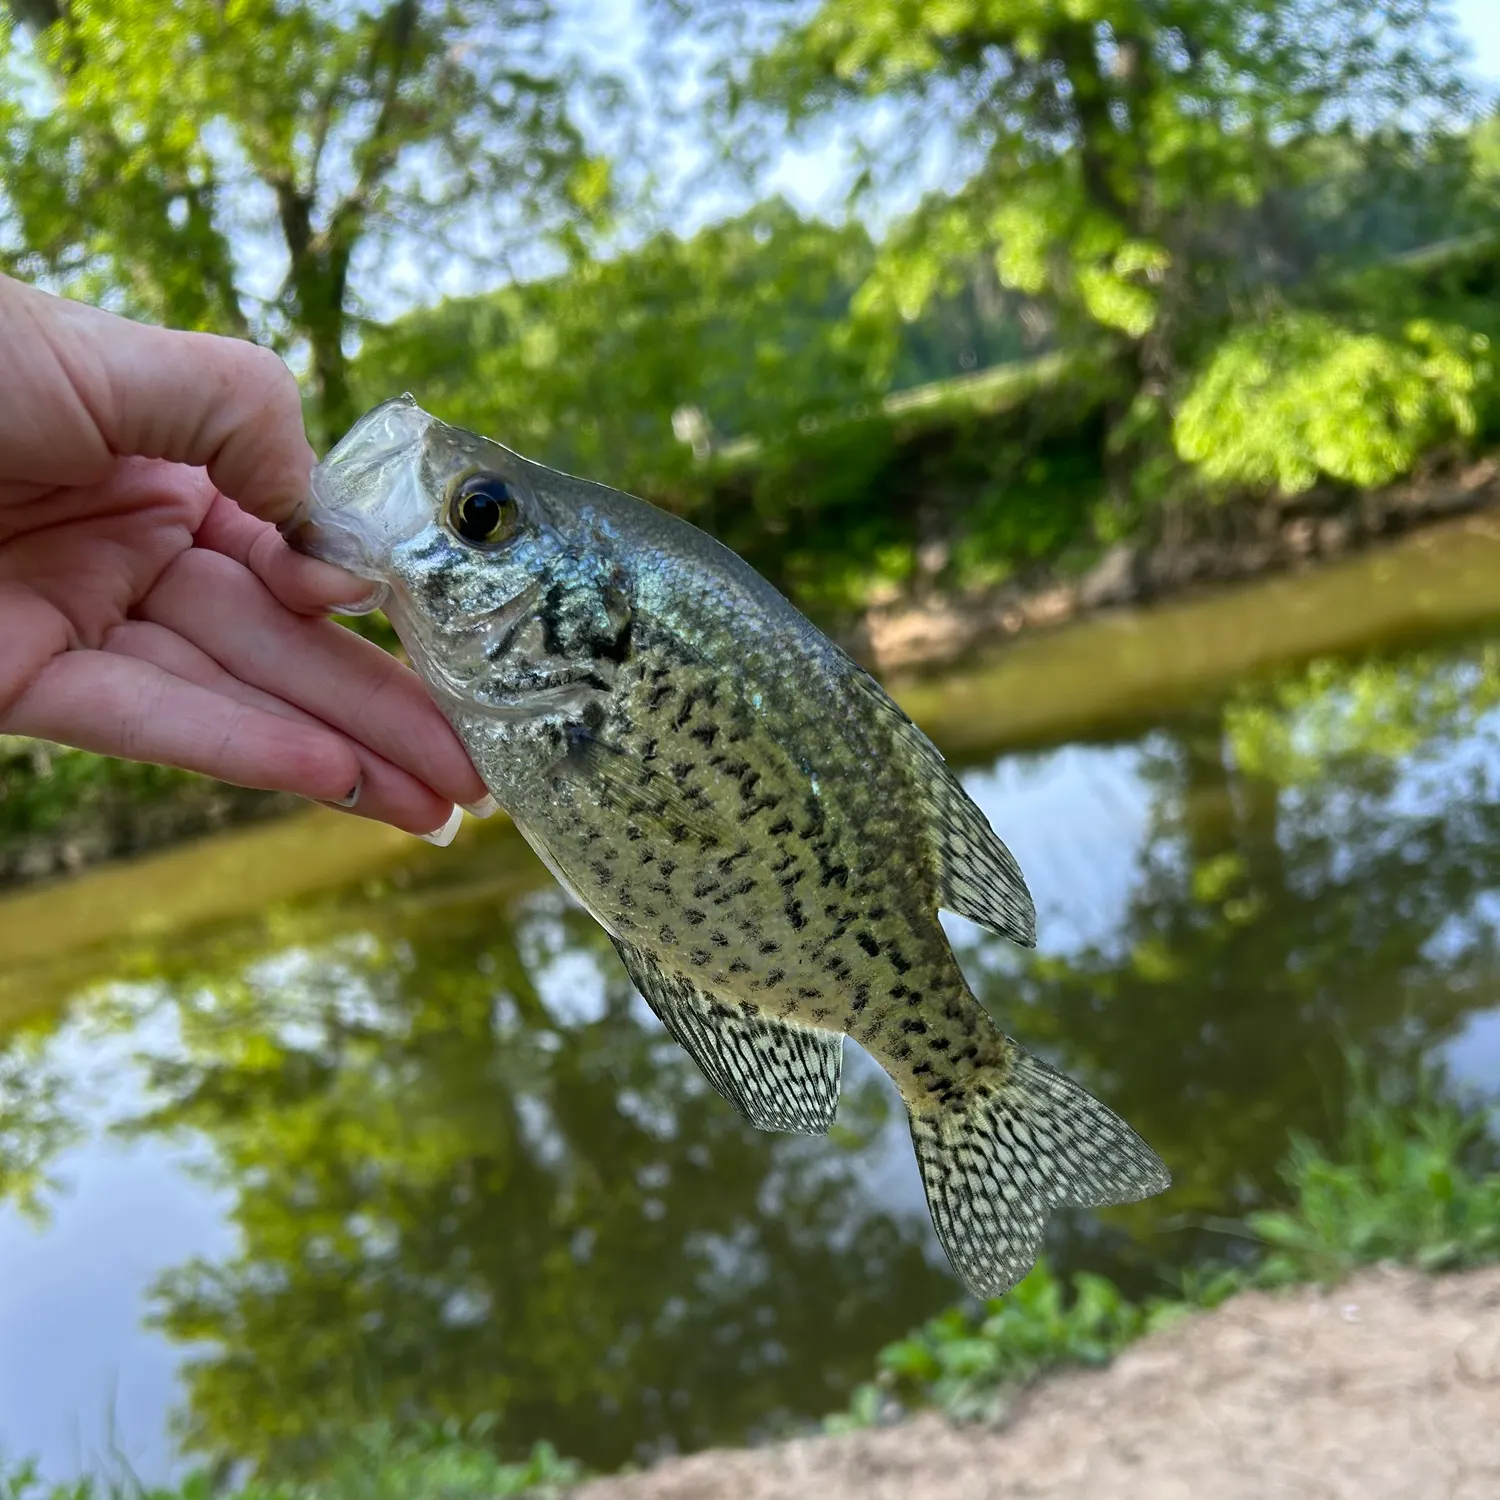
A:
(1111, 149)
(266, 170)
(1145, 168)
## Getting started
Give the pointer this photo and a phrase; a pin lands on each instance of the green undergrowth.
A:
(1413, 1178)
(443, 1463)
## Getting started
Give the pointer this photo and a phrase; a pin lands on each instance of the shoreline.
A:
(1145, 626)
(1381, 1388)
(1211, 548)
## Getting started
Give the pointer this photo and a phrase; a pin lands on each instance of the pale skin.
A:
(150, 609)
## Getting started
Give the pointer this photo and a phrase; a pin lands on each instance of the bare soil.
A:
(1385, 1387)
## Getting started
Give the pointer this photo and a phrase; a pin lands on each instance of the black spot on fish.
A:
(861, 997)
(667, 936)
(615, 648)
(706, 735)
(601, 872)
(700, 956)
(939, 1044)
(770, 946)
(899, 992)
(649, 753)
(913, 1025)
(695, 917)
(867, 941)
(795, 916)
(739, 966)
(593, 713)
(781, 826)
(806, 992)
(718, 939)
(775, 977)
(681, 770)
(659, 695)
(897, 959)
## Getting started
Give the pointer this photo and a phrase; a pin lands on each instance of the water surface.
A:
(311, 1125)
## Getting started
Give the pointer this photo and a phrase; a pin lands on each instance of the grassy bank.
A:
(1413, 1179)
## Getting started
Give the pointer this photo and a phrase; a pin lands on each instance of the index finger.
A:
(222, 404)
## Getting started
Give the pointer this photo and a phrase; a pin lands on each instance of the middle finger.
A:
(320, 667)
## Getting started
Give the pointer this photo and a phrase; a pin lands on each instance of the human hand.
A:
(149, 608)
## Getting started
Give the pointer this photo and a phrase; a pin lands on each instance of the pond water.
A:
(309, 1126)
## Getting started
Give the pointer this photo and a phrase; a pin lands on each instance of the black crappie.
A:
(763, 833)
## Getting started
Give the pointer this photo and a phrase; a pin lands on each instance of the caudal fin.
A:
(998, 1160)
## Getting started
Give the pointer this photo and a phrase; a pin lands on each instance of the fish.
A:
(764, 835)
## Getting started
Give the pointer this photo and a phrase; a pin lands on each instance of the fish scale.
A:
(763, 833)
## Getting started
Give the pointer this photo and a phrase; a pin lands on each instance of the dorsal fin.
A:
(978, 877)
(778, 1074)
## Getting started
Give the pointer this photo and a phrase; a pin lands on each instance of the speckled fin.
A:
(978, 876)
(779, 1075)
(998, 1162)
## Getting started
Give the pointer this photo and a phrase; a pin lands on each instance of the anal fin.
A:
(778, 1074)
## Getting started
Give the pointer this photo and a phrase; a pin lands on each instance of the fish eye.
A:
(483, 511)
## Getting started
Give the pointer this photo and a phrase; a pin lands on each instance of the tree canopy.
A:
(275, 170)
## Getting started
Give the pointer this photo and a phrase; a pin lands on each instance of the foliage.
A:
(1413, 1180)
(450, 1463)
(44, 786)
(588, 371)
(1116, 155)
(723, 376)
(965, 1364)
(1287, 402)
(254, 168)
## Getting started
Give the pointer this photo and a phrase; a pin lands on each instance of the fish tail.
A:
(1000, 1156)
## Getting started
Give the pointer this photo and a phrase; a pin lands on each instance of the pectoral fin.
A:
(779, 1075)
(642, 795)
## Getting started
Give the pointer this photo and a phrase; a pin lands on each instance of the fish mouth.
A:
(365, 497)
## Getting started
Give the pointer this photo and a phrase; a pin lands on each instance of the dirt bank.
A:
(1188, 550)
(1387, 1387)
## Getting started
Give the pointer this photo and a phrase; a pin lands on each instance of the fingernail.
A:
(352, 797)
(445, 835)
(366, 604)
(486, 807)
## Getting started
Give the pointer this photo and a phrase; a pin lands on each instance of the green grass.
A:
(444, 1463)
(1413, 1178)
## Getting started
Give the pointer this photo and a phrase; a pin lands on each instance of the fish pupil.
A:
(483, 510)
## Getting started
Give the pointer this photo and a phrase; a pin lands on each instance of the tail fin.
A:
(996, 1161)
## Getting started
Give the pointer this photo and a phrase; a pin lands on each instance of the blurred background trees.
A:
(1216, 248)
